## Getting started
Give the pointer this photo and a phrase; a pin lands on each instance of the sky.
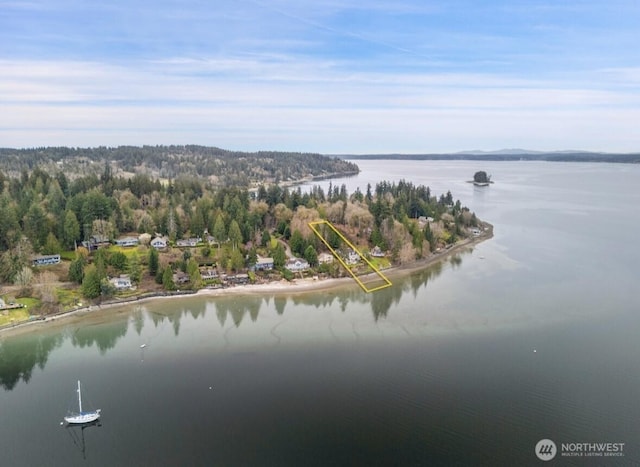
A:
(328, 76)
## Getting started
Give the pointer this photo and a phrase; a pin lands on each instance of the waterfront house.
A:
(95, 242)
(181, 278)
(46, 260)
(127, 241)
(264, 264)
(208, 274)
(352, 257)
(377, 252)
(123, 282)
(159, 243)
(238, 279)
(188, 242)
(325, 258)
(296, 265)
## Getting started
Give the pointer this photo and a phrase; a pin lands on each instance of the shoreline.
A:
(282, 287)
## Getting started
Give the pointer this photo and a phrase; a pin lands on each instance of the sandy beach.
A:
(282, 287)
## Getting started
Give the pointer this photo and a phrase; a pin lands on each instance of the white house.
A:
(127, 241)
(352, 257)
(188, 242)
(208, 273)
(297, 264)
(264, 264)
(377, 252)
(123, 282)
(159, 243)
(46, 260)
(325, 258)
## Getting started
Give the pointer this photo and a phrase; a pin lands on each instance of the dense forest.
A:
(47, 212)
(219, 166)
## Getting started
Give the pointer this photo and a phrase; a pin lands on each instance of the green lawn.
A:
(19, 314)
(127, 251)
(68, 298)
(68, 255)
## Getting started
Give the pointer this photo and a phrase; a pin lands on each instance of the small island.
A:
(481, 178)
(76, 240)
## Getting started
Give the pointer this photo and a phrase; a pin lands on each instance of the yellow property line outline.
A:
(387, 282)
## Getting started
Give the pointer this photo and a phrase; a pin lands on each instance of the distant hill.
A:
(221, 167)
(510, 155)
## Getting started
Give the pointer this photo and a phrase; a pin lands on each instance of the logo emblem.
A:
(546, 450)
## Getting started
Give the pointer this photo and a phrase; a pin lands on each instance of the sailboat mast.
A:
(79, 397)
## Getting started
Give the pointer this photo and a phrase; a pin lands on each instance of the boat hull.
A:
(85, 417)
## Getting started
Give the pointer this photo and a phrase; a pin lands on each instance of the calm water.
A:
(439, 369)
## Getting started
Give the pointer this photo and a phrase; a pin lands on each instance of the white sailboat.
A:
(82, 417)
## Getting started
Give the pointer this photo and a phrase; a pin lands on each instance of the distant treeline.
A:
(630, 158)
(221, 167)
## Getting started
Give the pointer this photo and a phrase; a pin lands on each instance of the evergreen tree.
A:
(311, 255)
(235, 235)
(76, 269)
(55, 199)
(91, 282)
(194, 273)
(153, 261)
(159, 275)
(297, 243)
(167, 279)
(118, 261)
(219, 229)
(377, 239)
(428, 235)
(279, 256)
(236, 260)
(135, 270)
(197, 225)
(368, 197)
(35, 226)
(70, 229)
(266, 238)
(253, 256)
(9, 227)
(51, 245)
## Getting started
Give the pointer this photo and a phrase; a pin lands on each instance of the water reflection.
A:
(419, 280)
(76, 433)
(237, 309)
(104, 336)
(279, 303)
(20, 354)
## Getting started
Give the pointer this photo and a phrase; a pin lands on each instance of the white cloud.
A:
(282, 103)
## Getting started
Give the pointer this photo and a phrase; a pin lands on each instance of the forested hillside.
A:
(219, 166)
(50, 213)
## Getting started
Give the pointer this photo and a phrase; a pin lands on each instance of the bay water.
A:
(530, 335)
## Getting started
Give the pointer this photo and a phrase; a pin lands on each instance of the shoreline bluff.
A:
(282, 287)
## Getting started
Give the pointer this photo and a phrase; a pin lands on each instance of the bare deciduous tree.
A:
(24, 277)
(45, 286)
